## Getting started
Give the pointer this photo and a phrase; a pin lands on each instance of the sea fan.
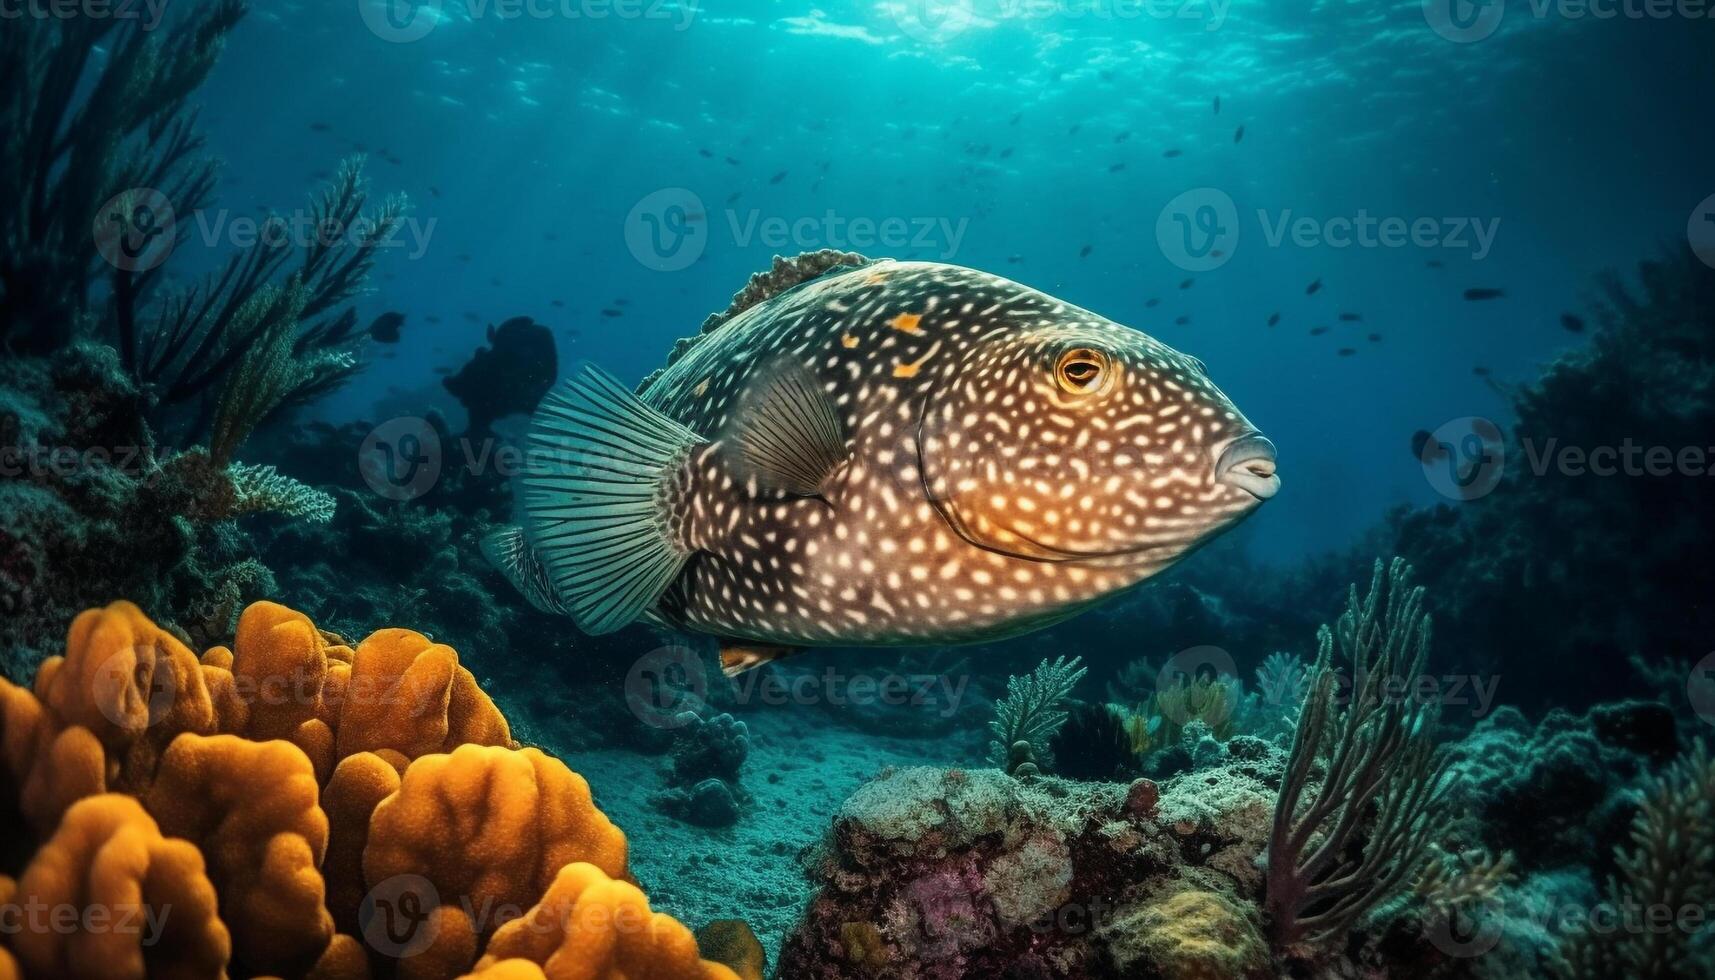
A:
(1031, 712)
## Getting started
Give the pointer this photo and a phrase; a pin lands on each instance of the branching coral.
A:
(75, 130)
(283, 789)
(1666, 876)
(1030, 714)
(78, 135)
(265, 489)
(1364, 793)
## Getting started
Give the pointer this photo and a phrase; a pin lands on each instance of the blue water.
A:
(525, 143)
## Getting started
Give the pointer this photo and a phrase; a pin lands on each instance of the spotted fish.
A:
(886, 453)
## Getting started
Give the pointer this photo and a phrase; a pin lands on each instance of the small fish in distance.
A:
(385, 328)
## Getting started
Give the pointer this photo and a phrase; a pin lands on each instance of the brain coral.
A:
(297, 801)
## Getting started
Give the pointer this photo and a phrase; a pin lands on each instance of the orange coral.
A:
(590, 927)
(252, 807)
(310, 786)
(108, 897)
(489, 825)
(410, 695)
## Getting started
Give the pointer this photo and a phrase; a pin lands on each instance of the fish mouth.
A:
(1248, 463)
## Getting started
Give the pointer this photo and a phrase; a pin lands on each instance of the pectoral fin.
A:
(788, 434)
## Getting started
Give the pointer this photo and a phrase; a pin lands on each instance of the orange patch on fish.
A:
(907, 323)
(909, 369)
(848, 341)
(701, 389)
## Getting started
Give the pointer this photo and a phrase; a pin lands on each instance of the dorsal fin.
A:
(787, 432)
(599, 463)
(785, 274)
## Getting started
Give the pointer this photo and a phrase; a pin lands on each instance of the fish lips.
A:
(1248, 463)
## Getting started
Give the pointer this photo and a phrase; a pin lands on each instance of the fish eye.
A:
(1082, 371)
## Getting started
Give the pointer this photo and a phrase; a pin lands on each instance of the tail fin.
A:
(509, 551)
(599, 462)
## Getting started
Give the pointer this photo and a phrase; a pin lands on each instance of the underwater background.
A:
(1456, 259)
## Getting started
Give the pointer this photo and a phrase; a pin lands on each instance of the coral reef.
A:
(1350, 838)
(1668, 873)
(1030, 715)
(1218, 871)
(1632, 580)
(304, 807)
(1588, 764)
(120, 421)
(703, 786)
(953, 873)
